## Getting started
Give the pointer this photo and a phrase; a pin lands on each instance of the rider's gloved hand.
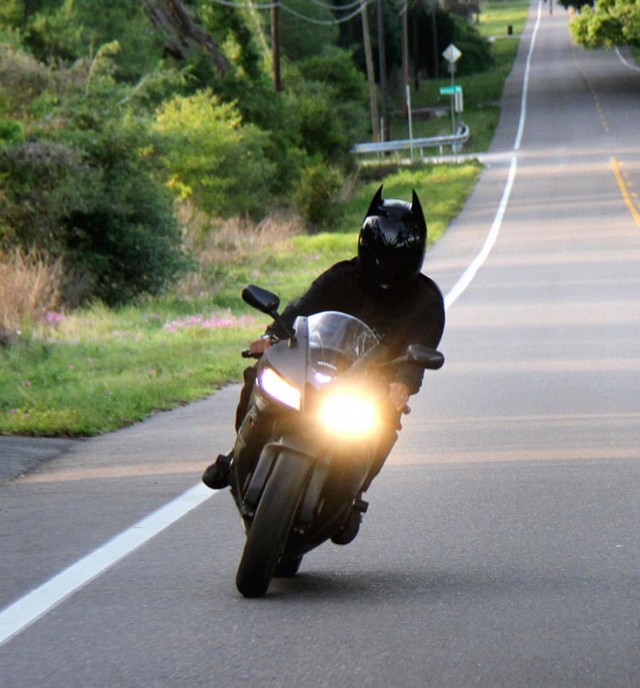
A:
(398, 396)
(259, 346)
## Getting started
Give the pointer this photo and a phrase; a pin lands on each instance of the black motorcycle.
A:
(307, 443)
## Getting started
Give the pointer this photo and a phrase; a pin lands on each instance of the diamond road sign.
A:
(451, 54)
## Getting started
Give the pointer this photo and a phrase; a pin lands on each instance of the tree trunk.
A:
(180, 30)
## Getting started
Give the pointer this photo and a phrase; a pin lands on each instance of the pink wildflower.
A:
(53, 318)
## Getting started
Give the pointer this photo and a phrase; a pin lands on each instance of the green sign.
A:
(450, 90)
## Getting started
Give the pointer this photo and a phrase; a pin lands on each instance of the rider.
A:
(384, 287)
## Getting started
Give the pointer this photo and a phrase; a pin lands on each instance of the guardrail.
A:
(456, 142)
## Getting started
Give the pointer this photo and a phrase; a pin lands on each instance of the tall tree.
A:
(182, 31)
(611, 23)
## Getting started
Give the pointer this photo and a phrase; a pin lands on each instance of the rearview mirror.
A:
(424, 356)
(261, 299)
(266, 302)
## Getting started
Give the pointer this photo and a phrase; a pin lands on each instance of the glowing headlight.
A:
(279, 388)
(347, 414)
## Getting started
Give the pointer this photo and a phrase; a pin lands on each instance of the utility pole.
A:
(404, 12)
(382, 59)
(371, 78)
(434, 38)
(275, 44)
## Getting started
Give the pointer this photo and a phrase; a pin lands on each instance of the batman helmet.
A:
(392, 242)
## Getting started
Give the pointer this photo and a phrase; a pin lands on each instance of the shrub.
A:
(99, 210)
(211, 156)
(11, 131)
(318, 193)
(328, 100)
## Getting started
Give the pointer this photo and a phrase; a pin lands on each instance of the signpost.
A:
(452, 54)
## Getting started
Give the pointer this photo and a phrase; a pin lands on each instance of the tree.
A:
(611, 23)
(182, 32)
(212, 157)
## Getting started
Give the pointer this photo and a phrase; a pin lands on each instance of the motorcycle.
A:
(308, 440)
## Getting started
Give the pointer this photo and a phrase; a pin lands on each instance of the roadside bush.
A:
(43, 182)
(100, 211)
(22, 80)
(212, 157)
(328, 100)
(317, 197)
(476, 50)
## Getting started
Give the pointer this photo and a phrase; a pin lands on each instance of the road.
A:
(501, 547)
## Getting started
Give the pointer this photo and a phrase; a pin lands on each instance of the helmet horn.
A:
(376, 202)
(416, 206)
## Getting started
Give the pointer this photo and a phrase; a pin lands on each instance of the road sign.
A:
(451, 54)
(450, 90)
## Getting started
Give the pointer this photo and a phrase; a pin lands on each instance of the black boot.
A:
(351, 527)
(216, 476)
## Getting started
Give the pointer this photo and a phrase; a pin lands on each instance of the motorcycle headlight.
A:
(348, 414)
(278, 388)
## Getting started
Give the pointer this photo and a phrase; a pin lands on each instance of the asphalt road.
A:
(501, 547)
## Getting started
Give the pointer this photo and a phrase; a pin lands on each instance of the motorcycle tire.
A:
(271, 525)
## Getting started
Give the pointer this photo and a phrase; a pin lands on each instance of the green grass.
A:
(100, 369)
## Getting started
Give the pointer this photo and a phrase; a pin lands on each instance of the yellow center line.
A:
(624, 191)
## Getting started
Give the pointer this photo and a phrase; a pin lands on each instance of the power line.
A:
(247, 5)
(327, 22)
(336, 8)
(311, 20)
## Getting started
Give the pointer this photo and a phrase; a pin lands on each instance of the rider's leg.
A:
(351, 526)
(216, 475)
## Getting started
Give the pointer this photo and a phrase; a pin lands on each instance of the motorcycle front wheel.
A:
(271, 525)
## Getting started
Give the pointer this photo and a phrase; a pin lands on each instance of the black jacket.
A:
(413, 315)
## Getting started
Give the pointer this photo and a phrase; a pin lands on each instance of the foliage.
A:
(11, 131)
(240, 44)
(449, 28)
(318, 193)
(63, 31)
(576, 4)
(306, 29)
(328, 99)
(77, 188)
(211, 156)
(611, 23)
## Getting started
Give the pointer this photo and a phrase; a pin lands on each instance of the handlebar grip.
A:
(246, 353)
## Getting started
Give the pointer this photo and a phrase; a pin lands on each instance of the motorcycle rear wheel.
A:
(271, 525)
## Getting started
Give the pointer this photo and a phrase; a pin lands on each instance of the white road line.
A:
(467, 276)
(625, 62)
(525, 84)
(17, 616)
(34, 605)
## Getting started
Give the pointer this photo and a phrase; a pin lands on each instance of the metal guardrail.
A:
(456, 142)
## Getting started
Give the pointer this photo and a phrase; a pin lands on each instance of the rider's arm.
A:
(326, 293)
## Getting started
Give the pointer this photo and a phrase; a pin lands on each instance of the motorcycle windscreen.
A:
(337, 340)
